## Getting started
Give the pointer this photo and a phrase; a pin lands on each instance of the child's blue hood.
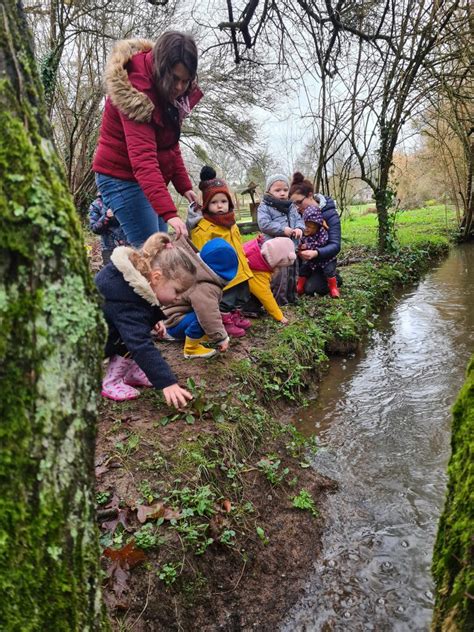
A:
(221, 258)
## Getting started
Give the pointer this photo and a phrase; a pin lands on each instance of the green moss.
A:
(50, 351)
(453, 559)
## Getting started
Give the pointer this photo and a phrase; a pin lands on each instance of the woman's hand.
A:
(288, 232)
(190, 196)
(176, 396)
(178, 226)
(307, 255)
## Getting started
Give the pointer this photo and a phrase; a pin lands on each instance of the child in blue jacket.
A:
(103, 222)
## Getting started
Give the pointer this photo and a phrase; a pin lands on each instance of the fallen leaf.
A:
(227, 505)
(122, 517)
(158, 510)
(128, 555)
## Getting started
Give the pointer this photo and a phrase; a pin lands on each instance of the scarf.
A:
(283, 206)
(220, 219)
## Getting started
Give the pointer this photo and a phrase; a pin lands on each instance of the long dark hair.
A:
(170, 49)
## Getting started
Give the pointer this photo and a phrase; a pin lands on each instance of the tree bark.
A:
(453, 556)
(50, 352)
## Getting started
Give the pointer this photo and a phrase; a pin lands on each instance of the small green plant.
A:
(102, 497)
(270, 466)
(261, 535)
(147, 537)
(305, 501)
(129, 446)
(144, 488)
(168, 573)
(227, 537)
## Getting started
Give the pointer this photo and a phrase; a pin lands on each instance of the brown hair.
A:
(300, 184)
(159, 252)
(170, 49)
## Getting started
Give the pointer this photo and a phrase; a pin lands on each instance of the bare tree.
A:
(380, 50)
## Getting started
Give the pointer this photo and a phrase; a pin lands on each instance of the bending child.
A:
(103, 222)
(315, 236)
(264, 258)
(134, 286)
(196, 316)
(218, 220)
(277, 216)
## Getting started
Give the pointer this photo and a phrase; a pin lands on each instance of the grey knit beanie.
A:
(275, 178)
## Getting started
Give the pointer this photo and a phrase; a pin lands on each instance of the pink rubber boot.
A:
(230, 326)
(136, 377)
(113, 386)
(239, 320)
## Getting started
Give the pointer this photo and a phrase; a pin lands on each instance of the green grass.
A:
(432, 224)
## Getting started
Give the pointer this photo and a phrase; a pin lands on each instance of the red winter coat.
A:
(139, 133)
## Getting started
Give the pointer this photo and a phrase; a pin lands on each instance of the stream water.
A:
(383, 422)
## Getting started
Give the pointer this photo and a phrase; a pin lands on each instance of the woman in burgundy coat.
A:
(150, 89)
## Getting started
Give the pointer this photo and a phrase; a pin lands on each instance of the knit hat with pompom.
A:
(210, 185)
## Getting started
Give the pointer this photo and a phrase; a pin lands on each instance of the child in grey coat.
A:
(277, 216)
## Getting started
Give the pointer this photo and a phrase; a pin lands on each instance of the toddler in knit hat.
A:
(264, 258)
(218, 220)
(277, 216)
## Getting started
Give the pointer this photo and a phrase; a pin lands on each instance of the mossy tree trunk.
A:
(453, 559)
(50, 332)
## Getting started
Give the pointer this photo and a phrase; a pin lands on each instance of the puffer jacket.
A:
(139, 133)
(206, 230)
(131, 310)
(204, 297)
(273, 222)
(333, 221)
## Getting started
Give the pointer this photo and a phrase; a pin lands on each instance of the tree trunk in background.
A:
(50, 353)
(453, 558)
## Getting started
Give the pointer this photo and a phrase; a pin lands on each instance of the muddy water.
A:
(383, 421)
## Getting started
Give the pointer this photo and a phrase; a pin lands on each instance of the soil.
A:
(246, 586)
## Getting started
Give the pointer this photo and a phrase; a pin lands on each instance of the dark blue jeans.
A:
(131, 207)
(189, 326)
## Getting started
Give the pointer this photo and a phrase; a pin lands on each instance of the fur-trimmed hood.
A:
(135, 104)
(121, 260)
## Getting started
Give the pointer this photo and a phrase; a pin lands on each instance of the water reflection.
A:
(383, 419)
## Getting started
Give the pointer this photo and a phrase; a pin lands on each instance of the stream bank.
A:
(236, 511)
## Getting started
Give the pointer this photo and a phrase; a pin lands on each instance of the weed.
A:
(102, 497)
(144, 488)
(147, 537)
(227, 537)
(128, 447)
(305, 501)
(270, 466)
(261, 535)
(168, 573)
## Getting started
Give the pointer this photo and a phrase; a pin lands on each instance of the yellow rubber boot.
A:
(194, 349)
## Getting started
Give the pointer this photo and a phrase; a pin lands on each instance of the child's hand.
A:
(284, 321)
(176, 396)
(160, 329)
(224, 345)
(109, 213)
(288, 231)
(297, 233)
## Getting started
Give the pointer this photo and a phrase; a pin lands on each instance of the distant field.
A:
(421, 224)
